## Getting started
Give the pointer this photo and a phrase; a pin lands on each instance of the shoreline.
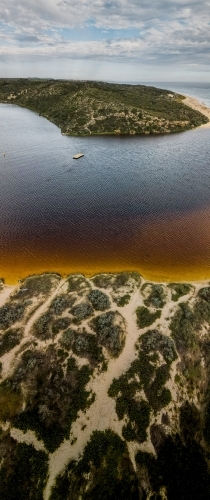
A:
(8, 288)
(197, 105)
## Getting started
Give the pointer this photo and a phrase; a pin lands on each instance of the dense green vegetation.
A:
(180, 465)
(156, 295)
(145, 317)
(55, 396)
(153, 340)
(99, 300)
(104, 472)
(83, 108)
(23, 471)
(110, 330)
(179, 289)
(10, 339)
(10, 313)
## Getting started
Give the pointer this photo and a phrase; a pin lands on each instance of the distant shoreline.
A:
(194, 103)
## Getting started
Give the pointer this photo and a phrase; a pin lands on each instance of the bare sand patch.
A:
(198, 106)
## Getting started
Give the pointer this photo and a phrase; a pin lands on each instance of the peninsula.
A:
(88, 107)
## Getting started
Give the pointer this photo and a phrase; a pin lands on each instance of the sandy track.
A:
(5, 293)
(102, 415)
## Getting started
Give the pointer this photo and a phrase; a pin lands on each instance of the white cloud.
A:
(170, 32)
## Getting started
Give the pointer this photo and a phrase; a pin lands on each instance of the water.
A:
(139, 203)
(200, 91)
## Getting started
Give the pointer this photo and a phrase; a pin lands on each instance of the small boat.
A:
(77, 156)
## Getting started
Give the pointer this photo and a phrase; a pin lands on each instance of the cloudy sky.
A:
(117, 40)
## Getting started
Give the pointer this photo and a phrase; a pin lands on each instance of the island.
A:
(83, 108)
(104, 390)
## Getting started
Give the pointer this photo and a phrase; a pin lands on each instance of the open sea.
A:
(131, 203)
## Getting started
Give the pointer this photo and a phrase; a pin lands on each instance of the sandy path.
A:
(198, 106)
(5, 293)
(42, 309)
(28, 437)
(101, 415)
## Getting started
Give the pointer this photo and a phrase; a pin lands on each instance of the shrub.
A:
(179, 289)
(9, 314)
(204, 293)
(24, 476)
(104, 472)
(60, 324)
(156, 297)
(67, 338)
(60, 304)
(183, 327)
(157, 394)
(82, 311)
(86, 345)
(122, 301)
(153, 340)
(102, 280)
(110, 329)
(77, 283)
(9, 340)
(145, 317)
(42, 326)
(10, 402)
(99, 300)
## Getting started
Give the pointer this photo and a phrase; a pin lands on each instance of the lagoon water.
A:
(131, 203)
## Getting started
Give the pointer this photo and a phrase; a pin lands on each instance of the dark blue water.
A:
(129, 203)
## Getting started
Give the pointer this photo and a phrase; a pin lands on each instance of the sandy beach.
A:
(198, 106)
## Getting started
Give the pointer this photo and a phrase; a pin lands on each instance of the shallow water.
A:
(138, 203)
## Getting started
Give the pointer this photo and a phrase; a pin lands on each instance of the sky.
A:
(118, 40)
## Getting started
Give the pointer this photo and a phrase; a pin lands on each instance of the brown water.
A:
(135, 203)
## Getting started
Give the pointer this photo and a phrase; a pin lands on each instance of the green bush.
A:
(179, 289)
(156, 297)
(153, 340)
(25, 474)
(122, 301)
(145, 317)
(183, 327)
(67, 338)
(11, 313)
(60, 324)
(42, 328)
(99, 300)
(9, 340)
(110, 334)
(82, 311)
(104, 472)
(56, 400)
